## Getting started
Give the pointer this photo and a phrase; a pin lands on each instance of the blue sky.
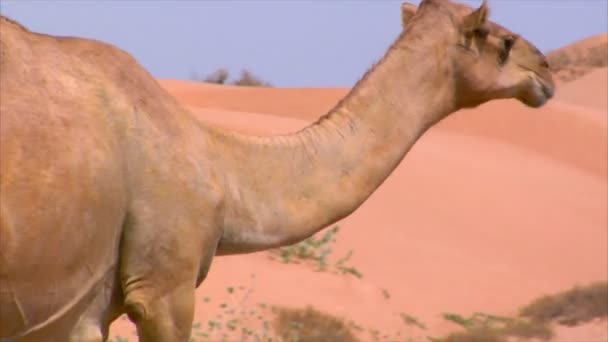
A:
(289, 43)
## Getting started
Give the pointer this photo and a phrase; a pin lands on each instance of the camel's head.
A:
(487, 61)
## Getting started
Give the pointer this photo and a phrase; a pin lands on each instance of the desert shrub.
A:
(311, 325)
(221, 76)
(577, 305)
(526, 329)
(248, 79)
(516, 328)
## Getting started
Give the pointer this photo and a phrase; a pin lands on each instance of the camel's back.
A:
(62, 190)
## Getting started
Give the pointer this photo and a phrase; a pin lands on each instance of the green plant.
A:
(311, 249)
(347, 269)
(412, 321)
(316, 251)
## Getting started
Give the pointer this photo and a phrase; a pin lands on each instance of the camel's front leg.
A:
(167, 317)
(161, 258)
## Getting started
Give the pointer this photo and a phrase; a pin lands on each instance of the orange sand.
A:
(590, 90)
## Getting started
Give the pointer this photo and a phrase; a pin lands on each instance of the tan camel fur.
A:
(115, 199)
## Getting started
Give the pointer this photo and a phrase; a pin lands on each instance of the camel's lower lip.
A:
(548, 90)
(538, 103)
(543, 92)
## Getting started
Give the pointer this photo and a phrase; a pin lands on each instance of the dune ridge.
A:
(579, 58)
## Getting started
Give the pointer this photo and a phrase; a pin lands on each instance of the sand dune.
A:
(590, 90)
(303, 103)
(241, 121)
(569, 133)
(579, 58)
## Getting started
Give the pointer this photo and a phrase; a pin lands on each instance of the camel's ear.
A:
(477, 19)
(407, 12)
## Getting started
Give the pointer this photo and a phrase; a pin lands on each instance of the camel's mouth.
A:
(540, 92)
(547, 87)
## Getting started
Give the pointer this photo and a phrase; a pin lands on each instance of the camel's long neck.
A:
(283, 189)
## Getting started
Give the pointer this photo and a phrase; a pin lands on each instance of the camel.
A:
(115, 199)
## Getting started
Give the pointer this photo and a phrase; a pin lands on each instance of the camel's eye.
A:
(508, 43)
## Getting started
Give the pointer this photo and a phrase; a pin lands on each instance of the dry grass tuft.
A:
(491, 328)
(311, 325)
(476, 335)
(527, 329)
(578, 305)
(517, 328)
